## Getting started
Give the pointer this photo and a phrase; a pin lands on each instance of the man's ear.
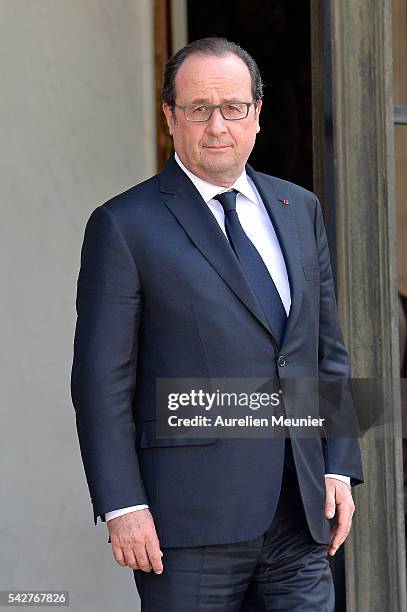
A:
(169, 115)
(257, 110)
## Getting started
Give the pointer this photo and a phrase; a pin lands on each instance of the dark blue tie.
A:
(253, 267)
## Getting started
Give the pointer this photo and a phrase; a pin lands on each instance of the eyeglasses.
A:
(231, 111)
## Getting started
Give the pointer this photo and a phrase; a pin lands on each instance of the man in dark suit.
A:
(211, 270)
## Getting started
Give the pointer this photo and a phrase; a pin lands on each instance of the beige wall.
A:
(77, 127)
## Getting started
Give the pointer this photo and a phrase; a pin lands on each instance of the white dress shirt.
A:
(257, 225)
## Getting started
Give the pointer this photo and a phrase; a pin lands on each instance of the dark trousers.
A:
(283, 570)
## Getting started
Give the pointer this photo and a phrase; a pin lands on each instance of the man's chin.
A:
(219, 161)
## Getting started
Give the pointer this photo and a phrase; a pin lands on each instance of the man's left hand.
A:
(339, 503)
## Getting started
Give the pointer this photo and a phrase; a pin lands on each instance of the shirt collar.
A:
(208, 191)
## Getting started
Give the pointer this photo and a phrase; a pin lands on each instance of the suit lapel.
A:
(193, 214)
(284, 222)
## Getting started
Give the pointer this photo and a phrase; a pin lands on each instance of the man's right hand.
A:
(135, 542)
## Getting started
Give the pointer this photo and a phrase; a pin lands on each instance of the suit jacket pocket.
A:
(311, 272)
(149, 439)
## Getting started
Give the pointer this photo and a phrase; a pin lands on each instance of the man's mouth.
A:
(217, 147)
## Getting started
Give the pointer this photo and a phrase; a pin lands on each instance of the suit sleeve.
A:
(103, 376)
(342, 454)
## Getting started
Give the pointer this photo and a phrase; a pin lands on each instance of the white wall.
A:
(77, 127)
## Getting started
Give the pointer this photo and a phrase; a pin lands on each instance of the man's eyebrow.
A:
(207, 101)
(200, 101)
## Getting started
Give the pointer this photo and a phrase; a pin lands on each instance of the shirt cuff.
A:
(115, 513)
(339, 477)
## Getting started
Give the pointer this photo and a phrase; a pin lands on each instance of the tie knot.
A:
(227, 200)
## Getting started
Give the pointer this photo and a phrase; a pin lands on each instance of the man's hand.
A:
(135, 542)
(339, 502)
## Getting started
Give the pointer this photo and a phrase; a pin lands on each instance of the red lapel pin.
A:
(285, 201)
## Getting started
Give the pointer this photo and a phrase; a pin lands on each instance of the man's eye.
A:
(234, 109)
(198, 110)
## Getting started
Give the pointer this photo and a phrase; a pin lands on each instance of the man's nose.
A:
(217, 124)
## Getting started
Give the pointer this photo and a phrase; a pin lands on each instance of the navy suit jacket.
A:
(161, 295)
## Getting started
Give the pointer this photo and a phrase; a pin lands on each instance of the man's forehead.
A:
(204, 76)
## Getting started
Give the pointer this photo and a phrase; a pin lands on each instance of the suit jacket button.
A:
(281, 361)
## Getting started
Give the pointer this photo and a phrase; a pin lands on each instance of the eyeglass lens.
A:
(229, 111)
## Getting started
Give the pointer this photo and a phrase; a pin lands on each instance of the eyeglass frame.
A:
(212, 107)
